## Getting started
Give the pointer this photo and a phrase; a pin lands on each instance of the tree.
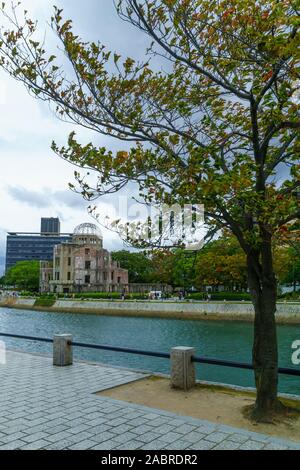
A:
(139, 265)
(173, 267)
(24, 275)
(215, 125)
(289, 238)
(183, 271)
(222, 262)
(292, 272)
(163, 263)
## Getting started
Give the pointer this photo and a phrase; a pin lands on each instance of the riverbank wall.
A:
(243, 311)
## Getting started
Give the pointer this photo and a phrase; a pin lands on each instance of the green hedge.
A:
(195, 296)
(137, 296)
(93, 295)
(109, 296)
(290, 296)
(230, 296)
(25, 294)
(44, 302)
(28, 293)
(98, 295)
(237, 296)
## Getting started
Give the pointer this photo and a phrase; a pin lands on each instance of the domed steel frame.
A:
(87, 229)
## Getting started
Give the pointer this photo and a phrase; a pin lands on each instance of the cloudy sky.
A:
(34, 181)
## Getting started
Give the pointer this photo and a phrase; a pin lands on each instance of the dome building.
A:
(83, 265)
(88, 234)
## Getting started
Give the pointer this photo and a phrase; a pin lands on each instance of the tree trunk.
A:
(263, 290)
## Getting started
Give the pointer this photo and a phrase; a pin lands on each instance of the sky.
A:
(33, 180)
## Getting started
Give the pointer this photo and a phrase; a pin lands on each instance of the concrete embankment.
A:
(286, 312)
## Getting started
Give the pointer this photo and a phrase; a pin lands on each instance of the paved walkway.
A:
(46, 407)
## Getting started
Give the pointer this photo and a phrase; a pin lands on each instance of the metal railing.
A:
(30, 338)
(196, 359)
(241, 365)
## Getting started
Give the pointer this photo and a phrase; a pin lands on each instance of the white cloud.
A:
(34, 181)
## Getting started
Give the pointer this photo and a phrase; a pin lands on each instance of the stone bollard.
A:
(183, 374)
(62, 350)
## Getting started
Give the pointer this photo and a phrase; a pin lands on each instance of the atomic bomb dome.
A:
(82, 264)
(87, 229)
(88, 234)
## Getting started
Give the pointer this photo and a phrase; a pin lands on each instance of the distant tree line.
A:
(220, 262)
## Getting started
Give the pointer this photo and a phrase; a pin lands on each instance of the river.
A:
(218, 339)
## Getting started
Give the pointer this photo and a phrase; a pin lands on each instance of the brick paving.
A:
(46, 407)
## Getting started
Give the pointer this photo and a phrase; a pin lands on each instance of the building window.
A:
(112, 275)
(57, 276)
(69, 261)
(87, 265)
(87, 251)
(119, 280)
(87, 279)
(69, 276)
(105, 276)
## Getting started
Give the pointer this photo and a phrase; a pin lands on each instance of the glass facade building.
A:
(21, 246)
(50, 225)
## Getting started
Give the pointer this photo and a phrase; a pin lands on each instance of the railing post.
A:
(62, 350)
(183, 374)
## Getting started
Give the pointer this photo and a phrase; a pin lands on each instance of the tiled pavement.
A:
(46, 407)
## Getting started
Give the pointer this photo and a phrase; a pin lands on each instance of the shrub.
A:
(25, 294)
(290, 296)
(234, 296)
(98, 295)
(195, 296)
(44, 302)
(237, 296)
(137, 296)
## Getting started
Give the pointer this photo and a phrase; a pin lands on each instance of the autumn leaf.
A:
(268, 76)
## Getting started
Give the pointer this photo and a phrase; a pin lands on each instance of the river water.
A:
(218, 339)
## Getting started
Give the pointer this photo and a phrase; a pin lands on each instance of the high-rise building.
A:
(24, 246)
(50, 225)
